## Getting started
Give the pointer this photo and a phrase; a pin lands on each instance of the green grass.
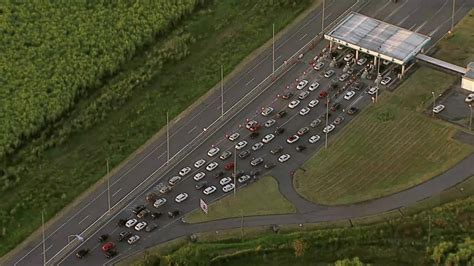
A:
(394, 144)
(409, 240)
(260, 198)
(225, 32)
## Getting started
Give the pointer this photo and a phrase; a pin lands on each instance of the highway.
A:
(425, 16)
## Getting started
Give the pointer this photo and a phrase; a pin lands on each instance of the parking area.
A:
(279, 130)
(457, 106)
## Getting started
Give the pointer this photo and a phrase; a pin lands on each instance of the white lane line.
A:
(421, 26)
(248, 82)
(163, 154)
(192, 129)
(83, 219)
(330, 14)
(302, 37)
(403, 20)
(46, 250)
(435, 30)
(115, 193)
(412, 27)
(356, 100)
(276, 59)
(380, 9)
(396, 10)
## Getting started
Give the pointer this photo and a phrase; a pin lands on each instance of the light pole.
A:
(273, 50)
(322, 19)
(452, 16)
(434, 101)
(327, 118)
(108, 186)
(44, 244)
(222, 92)
(235, 169)
(470, 117)
(167, 140)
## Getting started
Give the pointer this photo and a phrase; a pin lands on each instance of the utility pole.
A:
(452, 16)
(108, 186)
(273, 50)
(322, 19)
(44, 244)
(327, 118)
(235, 170)
(222, 92)
(167, 140)
(434, 101)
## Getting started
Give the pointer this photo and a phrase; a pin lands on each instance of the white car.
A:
(185, 171)
(130, 223)
(329, 73)
(283, 158)
(224, 181)
(199, 176)
(228, 187)
(373, 90)
(181, 197)
(257, 146)
(313, 103)
(303, 95)
(314, 139)
(234, 136)
(270, 122)
(292, 139)
(305, 111)
(140, 226)
(329, 128)
(313, 86)
(213, 151)
(438, 108)
(241, 145)
(361, 61)
(302, 84)
(174, 180)
(250, 124)
(343, 77)
(386, 80)
(212, 166)
(267, 111)
(133, 239)
(469, 98)
(319, 66)
(349, 95)
(268, 138)
(199, 163)
(209, 190)
(293, 104)
(243, 179)
(159, 202)
(225, 155)
(348, 57)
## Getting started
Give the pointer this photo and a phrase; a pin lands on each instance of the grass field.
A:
(260, 198)
(409, 240)
(224, 32)
(392, 145)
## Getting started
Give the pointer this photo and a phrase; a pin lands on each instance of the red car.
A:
(323, 94)
(229, 166)
(252, 125)
(108, 246)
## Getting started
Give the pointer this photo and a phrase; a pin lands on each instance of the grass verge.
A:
(261, 198)
(391, 145)
(225, 32)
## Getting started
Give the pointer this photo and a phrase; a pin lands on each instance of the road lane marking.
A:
(276, 59)
(380, 9)
(403, 20)
(396, 10)
(192, 129)
(421, 26)
(304, 36)
(435, 30)
(115, 193)
(412, 27)
(83, 219)
(356, 100)
(46, 250)
(248, 82)
(330, 14)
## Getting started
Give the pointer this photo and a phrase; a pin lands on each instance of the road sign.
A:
(203, 206)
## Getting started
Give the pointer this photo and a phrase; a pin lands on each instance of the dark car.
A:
(352, 110)
(156, 215)
(281, 114)
(287, 95)
(201, 185)
(254, 135)
(124, 235)
(238, 173)
(121, 222)
(254, 173)
(82, 253)
(103, 238)
(269, 165)
(276, 150)
(279, 130)
(174, 213)
(219, 174)
(244, 154)
(300, 148)
(110, 254)
(138, 208)
(150, 227)
(335, 107)
(358, 86)
(338, 120)
(229, 166)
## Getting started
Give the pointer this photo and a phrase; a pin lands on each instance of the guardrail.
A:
(148, 182)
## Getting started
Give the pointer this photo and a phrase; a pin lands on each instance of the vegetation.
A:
(248, 201)
(438, 236)
(116, 114)
(393, 144)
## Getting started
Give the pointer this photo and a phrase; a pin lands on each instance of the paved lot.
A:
(456, 111)
(432, 19)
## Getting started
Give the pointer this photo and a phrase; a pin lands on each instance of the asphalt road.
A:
(425, 16)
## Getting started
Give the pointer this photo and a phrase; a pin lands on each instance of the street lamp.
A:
(452, 16)
(434, 101)
(470, 117)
